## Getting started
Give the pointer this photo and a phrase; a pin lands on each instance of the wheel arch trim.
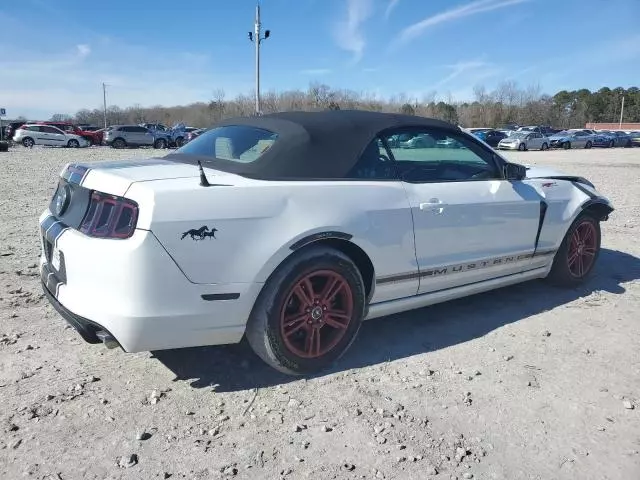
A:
(323, 237)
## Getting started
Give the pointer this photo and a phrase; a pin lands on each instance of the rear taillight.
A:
(109, 216)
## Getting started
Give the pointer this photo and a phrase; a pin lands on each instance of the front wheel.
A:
(119, 143)
(545, 146)
(160, 143)
(309, 311)
(73, 143)
(578, 252)
(566, 145)
(28, 142)
(588, 145)
(612, 144)
(522, 147)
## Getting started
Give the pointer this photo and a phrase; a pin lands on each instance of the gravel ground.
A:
(528, 382)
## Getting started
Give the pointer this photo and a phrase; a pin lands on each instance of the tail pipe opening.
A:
(108, 339)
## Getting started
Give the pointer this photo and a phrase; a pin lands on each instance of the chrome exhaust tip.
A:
(107, 339)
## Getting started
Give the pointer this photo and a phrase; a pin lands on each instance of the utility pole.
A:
(621, 112)
(104, 100)
(256, 37)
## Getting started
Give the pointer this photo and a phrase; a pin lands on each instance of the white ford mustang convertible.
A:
(293, 228)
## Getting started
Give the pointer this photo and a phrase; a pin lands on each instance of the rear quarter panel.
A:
(258, 221)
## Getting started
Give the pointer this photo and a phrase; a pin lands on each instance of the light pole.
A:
(257, 39)
(621, 113)
(104, 100)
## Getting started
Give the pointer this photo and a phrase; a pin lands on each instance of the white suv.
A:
(30, 135)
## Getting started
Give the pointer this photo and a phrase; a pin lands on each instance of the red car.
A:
(94, 137)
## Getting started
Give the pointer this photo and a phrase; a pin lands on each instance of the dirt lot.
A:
(528, 382)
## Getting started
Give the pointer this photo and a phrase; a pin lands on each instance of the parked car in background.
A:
(620, 139)
(602, 139)
(635, 138)
(89, 128)
(493, 137)
(42, 134)
(545, 130)
(571, 139)
(94, 138)
(418, 141)
(524, 140)
(123, 136)
(195, 133)
(479, 132)
(175, 136)
(11, 128)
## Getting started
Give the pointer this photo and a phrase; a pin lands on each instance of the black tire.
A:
(73, 143)
(4, 146)
(160, 143)
(612, 144)
(545, 146)
(566, 145)
(266, 322)
(119, 143)
(589, 144)
(561, 274)
(180, 142)
(28, 142)
(522, 147)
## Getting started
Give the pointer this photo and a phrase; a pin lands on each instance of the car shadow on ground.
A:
(236, 367)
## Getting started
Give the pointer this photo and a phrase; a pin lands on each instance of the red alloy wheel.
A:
(316, 314)
(582, 249)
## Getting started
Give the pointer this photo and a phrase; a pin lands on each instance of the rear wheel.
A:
(612, 144)
(309, 312)
(578, 252)
(588, 145)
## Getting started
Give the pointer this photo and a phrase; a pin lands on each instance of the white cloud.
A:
(390, 7)
(348, 33)
(83, 50)
(473, 8)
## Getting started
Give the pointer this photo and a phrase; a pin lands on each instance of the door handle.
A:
(433, 205)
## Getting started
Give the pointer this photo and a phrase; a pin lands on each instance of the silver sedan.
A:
(524, 140)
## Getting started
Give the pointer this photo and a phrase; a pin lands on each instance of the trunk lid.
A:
(116, 177)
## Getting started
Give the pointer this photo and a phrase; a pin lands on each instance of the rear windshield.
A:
(240, 143)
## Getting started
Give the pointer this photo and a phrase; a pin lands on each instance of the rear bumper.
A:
(133, 290)
(86, 328)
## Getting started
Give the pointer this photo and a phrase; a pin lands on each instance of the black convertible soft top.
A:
(310, 145)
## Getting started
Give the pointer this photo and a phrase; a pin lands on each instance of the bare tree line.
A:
(507, 104)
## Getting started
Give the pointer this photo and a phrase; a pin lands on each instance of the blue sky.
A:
(56, 56)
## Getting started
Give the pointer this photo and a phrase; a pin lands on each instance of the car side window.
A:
(49, 129)
(373, 163)
(434, 155)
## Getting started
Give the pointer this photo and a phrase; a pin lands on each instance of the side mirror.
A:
(514, 171)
